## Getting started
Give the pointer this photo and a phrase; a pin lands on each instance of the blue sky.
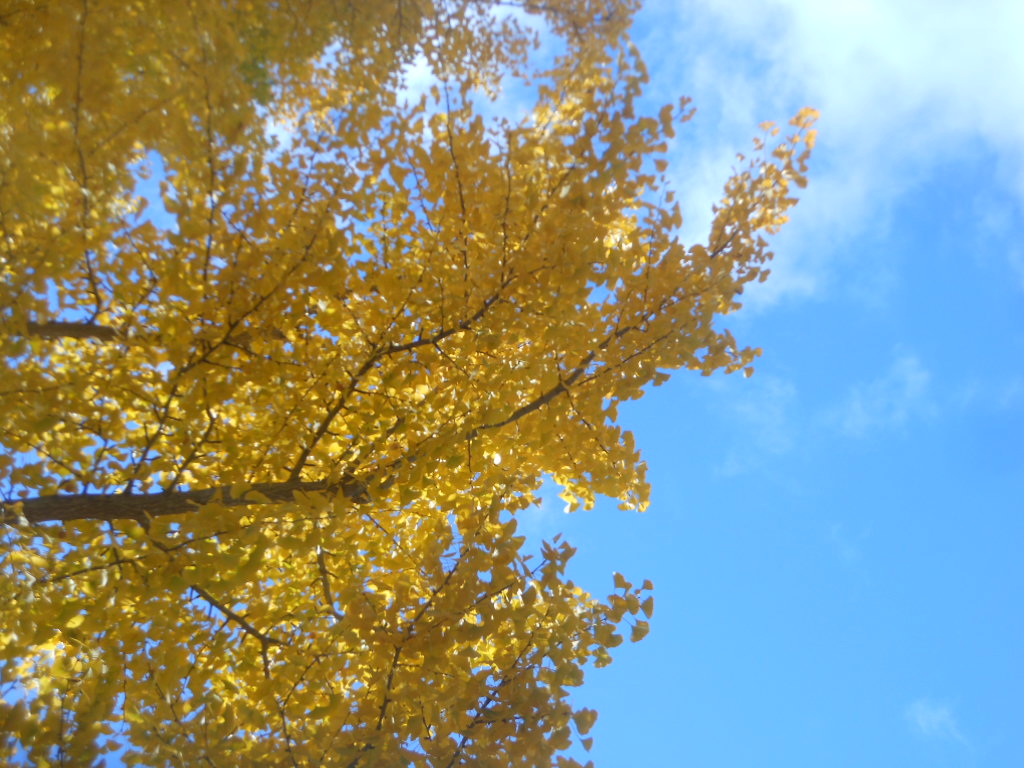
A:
(836, 543)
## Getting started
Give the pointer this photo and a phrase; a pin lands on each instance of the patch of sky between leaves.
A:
(514, 98)
(149, 172)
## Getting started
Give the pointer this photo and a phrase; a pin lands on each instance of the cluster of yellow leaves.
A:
(264, 448)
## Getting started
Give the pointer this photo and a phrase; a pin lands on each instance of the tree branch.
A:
(56, 329)
(142, 506)
(246, 627)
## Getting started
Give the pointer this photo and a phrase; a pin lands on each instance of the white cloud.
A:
(417, 78)
(544, 520)
(904, 88)
(932, 720)
(887, 402)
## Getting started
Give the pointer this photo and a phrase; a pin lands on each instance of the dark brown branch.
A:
(142, 506)
(389, 684)
(325, 584)
(375, 357)
(246, 627)
(67, 330)
(325, 423)
(61, 329)
(545, 398)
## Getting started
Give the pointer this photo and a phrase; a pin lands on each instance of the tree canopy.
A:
(264, 443)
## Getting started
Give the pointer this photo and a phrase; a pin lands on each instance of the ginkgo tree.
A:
(265, 442)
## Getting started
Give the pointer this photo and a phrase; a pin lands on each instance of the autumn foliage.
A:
(265, 441)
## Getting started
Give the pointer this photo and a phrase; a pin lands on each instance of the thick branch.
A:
(129, 506)
(61, 329)
(66, 330)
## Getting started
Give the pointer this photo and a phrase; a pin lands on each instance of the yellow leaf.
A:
(584, 720)
(647, 606)
(639, 631)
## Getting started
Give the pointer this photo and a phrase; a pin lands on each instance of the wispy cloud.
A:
(1016, 257)
(933, 720)
(847, 545)
(993, 395)
(762, 410)
(889, 401)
